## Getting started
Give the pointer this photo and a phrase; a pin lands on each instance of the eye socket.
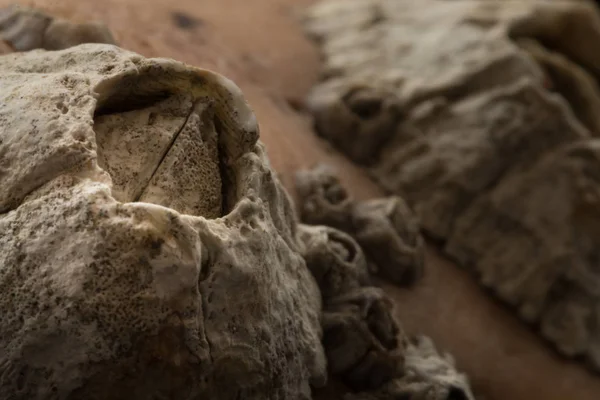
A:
(163, 143)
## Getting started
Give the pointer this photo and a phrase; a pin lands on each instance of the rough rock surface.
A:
(366, 348)
(385, 228)
(334, 259)
(423, 360)
(104, 297)
(28, 29)
(489, 136)
(275, 63)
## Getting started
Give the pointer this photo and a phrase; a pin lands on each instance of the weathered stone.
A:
(389, 233)
(572, 81)
(359, 337)
(105, 297)
(463, 149)
(364, 344)
(335, 260)
(386, 229)
(28, 29)
(362, 341)
(495, 110)
(428, 375)
(533, 238)
(322, 198)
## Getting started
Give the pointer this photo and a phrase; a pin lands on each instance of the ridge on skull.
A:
(147, 249)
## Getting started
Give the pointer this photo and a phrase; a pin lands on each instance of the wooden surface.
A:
(259, 44)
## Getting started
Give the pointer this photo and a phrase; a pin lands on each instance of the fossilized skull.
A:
(147, 250)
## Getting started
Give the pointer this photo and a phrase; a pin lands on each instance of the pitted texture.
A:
(389, 233)
(493, 110)
(428, 375)
(386, 228)
(104, 297)
(360, 335)
(322, 198)
(334, 259)
(365, 346)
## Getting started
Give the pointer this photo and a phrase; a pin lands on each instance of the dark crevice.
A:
(146, 86)
(205, 322)
(166, 151)
(205, 296)
(224, 170)
(558, 44)
(369, 373)
(125, 104)
(334, 193)
(366, 104)
(205, 269)
(552, 46)
(456, 394)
